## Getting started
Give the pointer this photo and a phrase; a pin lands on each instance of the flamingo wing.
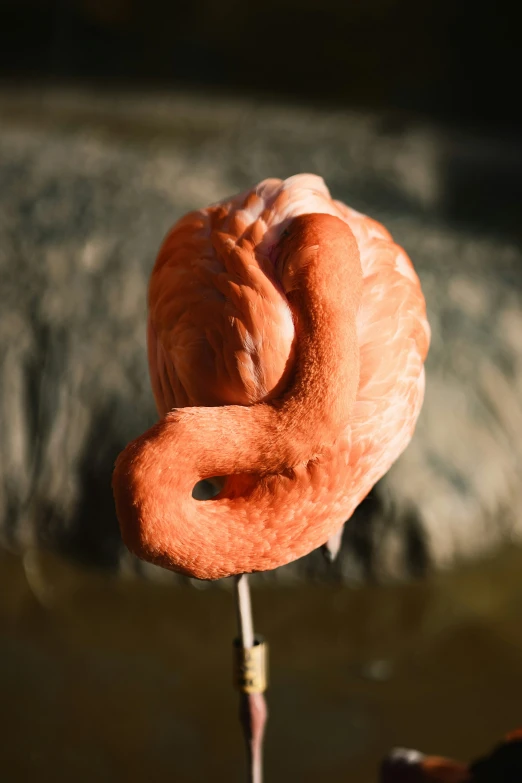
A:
(220, 330)
(394, 337)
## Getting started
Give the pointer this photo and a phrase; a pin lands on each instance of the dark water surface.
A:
(108, 680)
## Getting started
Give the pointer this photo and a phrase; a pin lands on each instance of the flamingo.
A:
(502, 765)
(287, 335)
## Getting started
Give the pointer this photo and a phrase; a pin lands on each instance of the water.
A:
(109, 680)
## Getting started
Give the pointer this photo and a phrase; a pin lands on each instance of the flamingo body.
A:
(286, 335)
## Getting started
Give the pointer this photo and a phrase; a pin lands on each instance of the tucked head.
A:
(302, 239)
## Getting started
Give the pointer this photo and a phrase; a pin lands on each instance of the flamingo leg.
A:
(333, 545)
(252, 704)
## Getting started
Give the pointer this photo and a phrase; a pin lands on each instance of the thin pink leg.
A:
(252, 706)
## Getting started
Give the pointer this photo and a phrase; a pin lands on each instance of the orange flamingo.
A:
(287, 335)
(502, 765)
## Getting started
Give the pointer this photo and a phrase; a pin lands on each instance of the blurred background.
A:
(116, 117)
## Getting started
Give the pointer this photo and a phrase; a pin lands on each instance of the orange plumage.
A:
(287, 335)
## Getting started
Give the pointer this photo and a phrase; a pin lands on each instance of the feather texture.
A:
(288, 332)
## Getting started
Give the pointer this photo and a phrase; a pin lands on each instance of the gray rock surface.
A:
(89, 185)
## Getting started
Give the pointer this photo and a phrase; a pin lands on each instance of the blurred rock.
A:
(89, 185)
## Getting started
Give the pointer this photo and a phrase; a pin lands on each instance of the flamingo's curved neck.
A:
(326, 282)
